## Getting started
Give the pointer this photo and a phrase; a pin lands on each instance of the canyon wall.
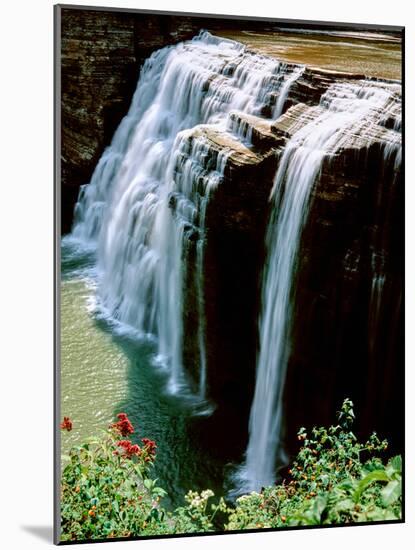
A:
(347, 329)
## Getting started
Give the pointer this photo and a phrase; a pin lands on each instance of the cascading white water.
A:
(346, 110)
(285, 88)
(197, 173)
(126, 210)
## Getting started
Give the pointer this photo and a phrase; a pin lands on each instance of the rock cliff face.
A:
(347, 331)
(348, 321)
(236, 220)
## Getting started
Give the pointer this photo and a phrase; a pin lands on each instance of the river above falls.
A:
(371, 54)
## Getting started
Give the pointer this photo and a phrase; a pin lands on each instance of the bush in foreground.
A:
(108, 491)
(334, 480)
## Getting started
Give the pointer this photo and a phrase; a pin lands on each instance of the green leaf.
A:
(348, 485)
(391, 492)
(154, 514)
(394, 466)
(159, 492)
(396, 462)
(376, 475)
(344, 505)
(148, 484)
(320, 504)
(371, 467)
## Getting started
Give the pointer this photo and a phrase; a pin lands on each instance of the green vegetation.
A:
(331, 483)
(108, 490)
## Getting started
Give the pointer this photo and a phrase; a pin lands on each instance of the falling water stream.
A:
(346, 110)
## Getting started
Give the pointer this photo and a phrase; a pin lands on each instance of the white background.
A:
(26, 300)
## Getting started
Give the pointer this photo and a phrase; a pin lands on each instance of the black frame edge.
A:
(56, 266)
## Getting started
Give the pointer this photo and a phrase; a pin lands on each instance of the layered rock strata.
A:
(349, 275)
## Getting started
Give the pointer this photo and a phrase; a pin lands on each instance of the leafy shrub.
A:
(107, 489)
(199, 514)
(330, 483)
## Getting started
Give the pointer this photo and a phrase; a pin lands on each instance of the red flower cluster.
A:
(123, 426)
(150, 446)
(130, 450)
(66, 424)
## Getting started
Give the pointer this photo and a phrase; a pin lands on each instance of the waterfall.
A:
(285, 88)
(347, 112)
(146, 203)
